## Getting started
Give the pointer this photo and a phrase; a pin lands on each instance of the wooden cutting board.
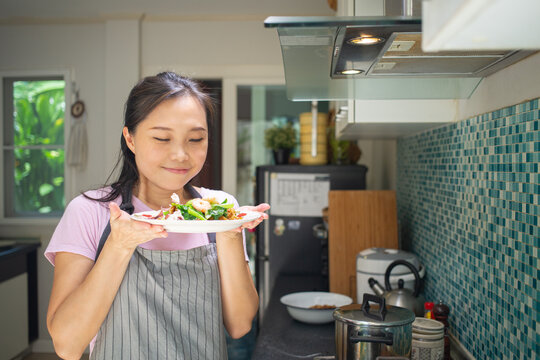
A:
(357, 220)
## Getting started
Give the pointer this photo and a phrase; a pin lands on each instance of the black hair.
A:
(145, 96)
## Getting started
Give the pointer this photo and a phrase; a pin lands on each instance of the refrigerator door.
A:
(286, 243)
(293, 249)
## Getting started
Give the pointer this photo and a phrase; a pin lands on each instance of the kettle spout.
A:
(377, 288)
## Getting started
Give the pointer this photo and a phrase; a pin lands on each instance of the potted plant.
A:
(281, 140)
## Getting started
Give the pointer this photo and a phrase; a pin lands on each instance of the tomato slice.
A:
(147, 215)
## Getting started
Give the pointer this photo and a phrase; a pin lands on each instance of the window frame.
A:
(66, 75)
(229, 160)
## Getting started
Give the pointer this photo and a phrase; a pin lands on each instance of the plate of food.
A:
(197, 216)
(314, 307)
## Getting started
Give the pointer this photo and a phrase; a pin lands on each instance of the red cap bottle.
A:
(428, 310)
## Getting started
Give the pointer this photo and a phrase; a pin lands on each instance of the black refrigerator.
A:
(286, 243)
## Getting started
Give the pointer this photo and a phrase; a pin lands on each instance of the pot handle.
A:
(413, 270)
(388, 339)
(380, 314)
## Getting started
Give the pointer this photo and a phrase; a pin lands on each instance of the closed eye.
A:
(196, 140)
(160, 139)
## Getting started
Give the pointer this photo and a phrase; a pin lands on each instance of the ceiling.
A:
(97, 8)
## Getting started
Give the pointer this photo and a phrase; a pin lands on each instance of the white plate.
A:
(196, 226)
(298, 305)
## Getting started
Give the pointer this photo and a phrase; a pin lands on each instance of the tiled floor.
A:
(48, 356)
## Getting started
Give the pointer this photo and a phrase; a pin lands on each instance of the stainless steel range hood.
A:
(325, 58)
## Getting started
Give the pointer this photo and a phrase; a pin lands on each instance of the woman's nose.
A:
(179, 153)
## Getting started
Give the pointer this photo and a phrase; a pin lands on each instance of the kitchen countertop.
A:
(13, 256)
(18, 256)
(282, 337)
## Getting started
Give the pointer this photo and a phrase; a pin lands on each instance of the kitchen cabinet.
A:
(18, 296)
(391, 119)
(14, 314)
(480, 25)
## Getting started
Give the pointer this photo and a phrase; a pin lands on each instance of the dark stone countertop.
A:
(14, 248)
(282, 337)
(14, 257)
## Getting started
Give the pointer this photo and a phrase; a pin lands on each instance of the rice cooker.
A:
(373, 262)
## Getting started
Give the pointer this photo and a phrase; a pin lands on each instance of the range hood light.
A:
(366, 40)
(351, 72)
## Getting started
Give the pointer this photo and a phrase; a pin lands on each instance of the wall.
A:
(468, 204)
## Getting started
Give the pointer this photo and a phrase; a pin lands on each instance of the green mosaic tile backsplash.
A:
(468, 206)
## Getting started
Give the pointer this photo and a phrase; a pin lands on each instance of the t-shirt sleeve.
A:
(78, 230)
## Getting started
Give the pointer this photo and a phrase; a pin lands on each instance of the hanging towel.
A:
(78, 144)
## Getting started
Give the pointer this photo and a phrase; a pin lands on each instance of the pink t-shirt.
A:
(84, 220)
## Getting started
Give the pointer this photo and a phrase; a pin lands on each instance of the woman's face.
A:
(170, 144)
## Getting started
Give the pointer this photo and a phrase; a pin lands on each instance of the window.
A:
(33, 146)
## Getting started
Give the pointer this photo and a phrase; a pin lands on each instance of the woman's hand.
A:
(127, 233)
(261, 208)
(239, 297)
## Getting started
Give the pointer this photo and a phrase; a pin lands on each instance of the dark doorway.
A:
(210, 175)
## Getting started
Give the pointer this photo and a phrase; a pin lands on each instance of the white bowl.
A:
(299, 305)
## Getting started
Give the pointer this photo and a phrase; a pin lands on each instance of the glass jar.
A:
(427, 339)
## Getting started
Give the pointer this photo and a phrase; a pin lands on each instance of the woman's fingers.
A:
(115, 210)
(159, 231)
(261, 207)
(131, 231)
(148, 228)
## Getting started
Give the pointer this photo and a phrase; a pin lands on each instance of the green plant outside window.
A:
(34, 148)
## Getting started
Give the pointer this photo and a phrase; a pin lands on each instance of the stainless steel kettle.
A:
(402, 296)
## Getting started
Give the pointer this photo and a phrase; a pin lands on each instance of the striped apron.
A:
(167, 307)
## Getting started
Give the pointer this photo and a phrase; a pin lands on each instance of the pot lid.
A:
(428, 337)
(427, 325)
(353, 314)
(376, 260)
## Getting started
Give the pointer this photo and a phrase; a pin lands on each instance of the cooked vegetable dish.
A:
(198, 209)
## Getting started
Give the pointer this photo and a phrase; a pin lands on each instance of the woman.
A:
(128, 288)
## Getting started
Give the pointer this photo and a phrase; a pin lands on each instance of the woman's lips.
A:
(176, 170)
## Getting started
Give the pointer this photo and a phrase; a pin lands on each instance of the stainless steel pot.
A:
(364, 332)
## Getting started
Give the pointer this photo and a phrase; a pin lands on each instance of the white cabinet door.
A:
(480, 25)
(14, 315)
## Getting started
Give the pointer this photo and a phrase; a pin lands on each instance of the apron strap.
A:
(128, 207)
